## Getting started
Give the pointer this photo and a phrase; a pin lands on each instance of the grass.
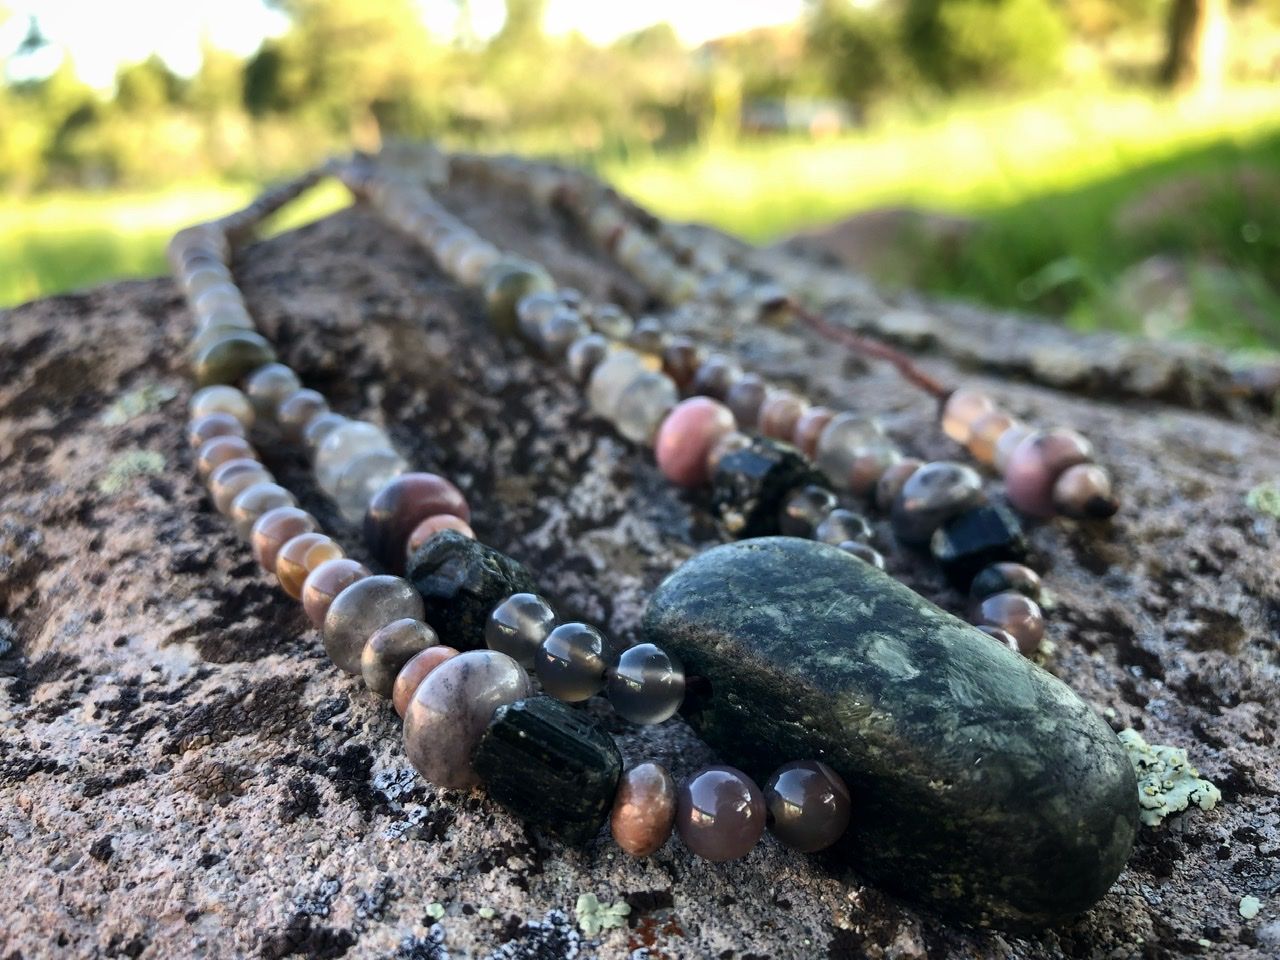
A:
(1044, 177)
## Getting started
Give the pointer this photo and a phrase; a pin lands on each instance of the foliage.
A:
(989, 43)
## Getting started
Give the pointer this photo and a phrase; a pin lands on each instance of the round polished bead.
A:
(268, 386)
(841, 526)
(300, 555)
(720, 814)
(319, 427)
(208, 274)
(893, 480)
(534, 310)
(962, 410)
(1002, 637)
(846, 438)
(252, 502)
(429, 527)
(223, 296)
(869, 466)
(644, 809)
(584, 355)
(610, 379)
(1003, 577)
(415, 671)
(804, 510)
(649, 336)
(809, 805)
(363, 477)
(643, 405)
(325, 582)
(274, 529)
(220, 314)
(231, 477)
(475, 260)
(715, 377)
(389, 648)
(343, 444)
(213, 425)
(221, 398)
(745, 398)
(1037, 463)
(519, 625)
(1084, 492)
(933, 495)
(612, 321)
(214, 453)
(572, 661)
(505, 284)
(809, 427)
(403, 503)
(985, 433)
(557, 332)
(1009, 441)
(229, 359)
(450, 710)
(1017, 615)
(780, 413)
(646, 685)
(686, 437)
(864, 552)
(680, 361)
(297, 409)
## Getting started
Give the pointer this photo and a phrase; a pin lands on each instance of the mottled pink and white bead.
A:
(687, 436)
(1036, 464)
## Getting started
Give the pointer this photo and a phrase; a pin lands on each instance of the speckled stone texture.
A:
(182, 772)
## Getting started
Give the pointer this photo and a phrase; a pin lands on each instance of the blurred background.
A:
(1104, 163)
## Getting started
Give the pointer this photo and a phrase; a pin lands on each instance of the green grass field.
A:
(1044, 177)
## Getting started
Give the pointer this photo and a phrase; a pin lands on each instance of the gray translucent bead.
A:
(519, 625)
(213, 298)
(933, 495)
(319, 427)
(647, 684)
(361, 609)
(268, 385)
(558, 331)
(584, 355)
(342, 446)
(846, 439)
(363, 477)
(649, 336)
(842, 525)
(610, 378)
(643, 405)
(534, 310)
(252, 502)
(809, 805)
(218, 313)
(572, 661)
(297, 409)
(222, 399)
(804, 510)
(612, 321)
(389, 648)
(863, 552)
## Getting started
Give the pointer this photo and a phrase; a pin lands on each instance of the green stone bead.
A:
(228, 359)
(506, 283)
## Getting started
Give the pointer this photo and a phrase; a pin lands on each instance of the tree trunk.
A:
(1195, 57)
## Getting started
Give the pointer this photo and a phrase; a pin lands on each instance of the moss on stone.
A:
(130, 464)
(135, 403)
(1167, 782)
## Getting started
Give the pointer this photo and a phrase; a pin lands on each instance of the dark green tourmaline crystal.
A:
(751, 486)
(981, 784)
(551, 765)
(977, 538)
(461, 581)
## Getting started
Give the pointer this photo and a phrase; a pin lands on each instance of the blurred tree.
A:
(147, 86)
(999, 43)
(858, 50)
(1196, 49)
(218, 85)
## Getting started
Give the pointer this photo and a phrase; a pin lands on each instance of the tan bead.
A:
(233, 476)
(1084, 491)
(429, 527)
(644, 810)
(809, 428)
(987, 431)
(217, 424)
(414, 672)
(299, 555)
(327, 581)
(222, 399)
(274, 529)
(963, 409)
(252, 502)
(214, 453)
(780, 413)
(297, 410)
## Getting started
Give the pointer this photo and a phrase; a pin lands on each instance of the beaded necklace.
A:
(466, 710)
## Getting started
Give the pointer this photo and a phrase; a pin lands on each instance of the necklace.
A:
(472, 717)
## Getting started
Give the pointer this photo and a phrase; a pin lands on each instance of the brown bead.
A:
(1002, 637)
(414, 672)
(714, 378)
(1084, 492)
(745, 398)
(720, 814)
(325, 582)
(644, 809)
(680, 361)
(1017, 615)
(211, 425)
(809, 427)
(780, 413)
(429, 527)
(1037, 463)
(297, 410)
(809, 805)
(389, 648)
(213, 453)
(253, 502)
(962, 410)
(274, 529)
(230, 478)
(401, 505)
(987, 431)
(299, 555)
(893, 480)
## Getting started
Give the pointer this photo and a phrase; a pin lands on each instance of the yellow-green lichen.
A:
(146, 399)
(1249, 907)
(435, 911)
(132, 463)
(1265, 498)
(593, 916)
(1167, 782)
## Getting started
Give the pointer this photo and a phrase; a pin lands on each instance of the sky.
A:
(102, 35)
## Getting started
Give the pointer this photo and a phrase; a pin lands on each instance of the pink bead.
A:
(429, 527)
(963, 409)
(414, 672)
(687, 436)
(1036, 464)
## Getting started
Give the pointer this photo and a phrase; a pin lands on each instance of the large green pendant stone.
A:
(981, 784)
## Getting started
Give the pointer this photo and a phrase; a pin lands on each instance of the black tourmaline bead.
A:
(975, 539)
(461, 581)
(751, 485)
(551, 765)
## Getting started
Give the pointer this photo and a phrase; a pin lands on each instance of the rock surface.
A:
(183, 772)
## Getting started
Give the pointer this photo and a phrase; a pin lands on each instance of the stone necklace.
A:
(471, 714)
